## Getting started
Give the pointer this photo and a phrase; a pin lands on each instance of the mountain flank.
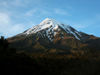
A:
(51, 36)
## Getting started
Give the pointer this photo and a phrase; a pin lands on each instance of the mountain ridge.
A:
(53, 36)
(53, 26)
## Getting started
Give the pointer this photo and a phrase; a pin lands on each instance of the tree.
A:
(4, 47)
(3, 42)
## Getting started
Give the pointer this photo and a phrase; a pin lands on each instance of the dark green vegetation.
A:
(75, 63)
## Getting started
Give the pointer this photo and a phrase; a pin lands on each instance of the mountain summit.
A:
(52, 36)
(51, 26)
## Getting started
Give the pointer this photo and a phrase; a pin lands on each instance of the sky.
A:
(17, 16)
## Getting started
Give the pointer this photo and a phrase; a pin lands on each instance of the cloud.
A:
(4, 19)
(61, 12)
(14, 3)
(31, 12)
(79, 26)
(69, 7)
(46, 11)
(7, 27)
(38, 12)
(19, 3)
(4, 4)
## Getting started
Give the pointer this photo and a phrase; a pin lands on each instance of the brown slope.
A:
(37, 43)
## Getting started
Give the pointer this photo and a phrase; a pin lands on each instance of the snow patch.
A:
(62, 37)
(49, 25)
(78, 33)
(55, 33)
(56, 27)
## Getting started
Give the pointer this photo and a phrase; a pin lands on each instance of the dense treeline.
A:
(69, 64)
(14, 63)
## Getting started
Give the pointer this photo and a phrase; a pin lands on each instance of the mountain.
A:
(53, 36)
(51, 27)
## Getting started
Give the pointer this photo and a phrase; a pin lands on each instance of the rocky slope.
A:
(53, 36)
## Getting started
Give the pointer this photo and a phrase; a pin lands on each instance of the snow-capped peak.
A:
(44, 21)
(49, 20)
(47, 23)
(51, 26)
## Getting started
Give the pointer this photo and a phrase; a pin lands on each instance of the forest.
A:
(15, 63)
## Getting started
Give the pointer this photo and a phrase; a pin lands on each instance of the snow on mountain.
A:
(51, 26)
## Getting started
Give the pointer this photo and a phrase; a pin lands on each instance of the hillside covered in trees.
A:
(76, 63)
